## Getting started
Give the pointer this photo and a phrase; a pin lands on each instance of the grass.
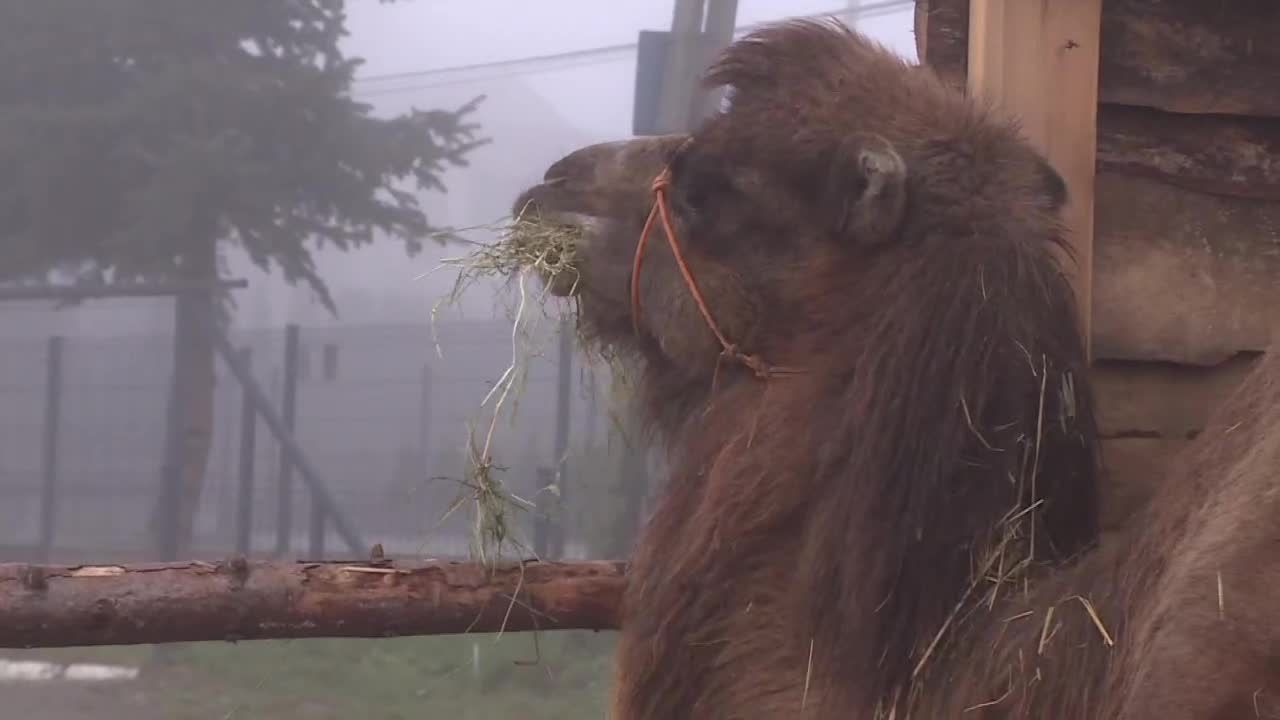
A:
(565, 675)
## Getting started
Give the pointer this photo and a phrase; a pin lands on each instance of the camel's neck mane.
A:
(946, 438)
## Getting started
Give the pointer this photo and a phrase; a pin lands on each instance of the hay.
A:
(527, 244)
(1017, 529)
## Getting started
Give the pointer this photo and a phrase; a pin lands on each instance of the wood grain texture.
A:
(1184, 56)
(1038, 62)
(1158, 400)
(1182, 276)
(1220, 155)
(1226, 155)
(74, 606)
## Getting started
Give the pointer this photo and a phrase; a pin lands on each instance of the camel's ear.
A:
(1054, 187)
(865, 196)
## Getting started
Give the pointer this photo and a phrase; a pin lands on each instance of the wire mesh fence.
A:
(381, 411)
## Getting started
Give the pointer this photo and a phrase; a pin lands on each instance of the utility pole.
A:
(680, 66)
(700, 30)
(721, 21)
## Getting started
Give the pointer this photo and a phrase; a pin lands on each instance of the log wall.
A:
(1186, 265)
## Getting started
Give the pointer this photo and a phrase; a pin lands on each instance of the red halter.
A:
(660, 211)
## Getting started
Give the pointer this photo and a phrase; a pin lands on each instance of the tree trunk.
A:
(77, 606)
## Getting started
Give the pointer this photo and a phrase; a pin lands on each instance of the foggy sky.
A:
(588, 101)
(423, 53)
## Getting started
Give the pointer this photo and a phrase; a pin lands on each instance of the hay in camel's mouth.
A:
(533, 242)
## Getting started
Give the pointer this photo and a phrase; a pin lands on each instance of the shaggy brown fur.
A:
(855, 541)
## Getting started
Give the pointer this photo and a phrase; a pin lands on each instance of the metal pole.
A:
(52, 424)
(288, 444)
(248, 449)
(421, 500)
(315, 544)
(722, 18)
(681, 68)
(541, 520)
(284, 480)
(424, 420)
(166, 520)
(564, 390)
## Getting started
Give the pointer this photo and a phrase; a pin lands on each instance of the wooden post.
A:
(1038, 61)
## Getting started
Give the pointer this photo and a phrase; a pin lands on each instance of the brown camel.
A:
(853, 336)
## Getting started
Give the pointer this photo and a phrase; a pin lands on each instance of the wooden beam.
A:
(1228, 155)
(1182, 276)
(1038, 61)
(1232, 157)
(77, 606)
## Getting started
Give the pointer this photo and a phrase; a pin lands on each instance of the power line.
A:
(511, 68)
(498, 64)
(595, 55)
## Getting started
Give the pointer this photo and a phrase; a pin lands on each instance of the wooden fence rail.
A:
(75, 606)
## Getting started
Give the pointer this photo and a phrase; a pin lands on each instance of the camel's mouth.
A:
(558, 238)
(593, 193)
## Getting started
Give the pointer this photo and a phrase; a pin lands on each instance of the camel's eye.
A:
(698, 186)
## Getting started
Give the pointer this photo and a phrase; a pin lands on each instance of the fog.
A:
(382, 394)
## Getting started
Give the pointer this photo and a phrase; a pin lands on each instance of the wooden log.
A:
(66, 606)
(1184, 56)
(1219, 154)
(1181, 276)
(1157, 400)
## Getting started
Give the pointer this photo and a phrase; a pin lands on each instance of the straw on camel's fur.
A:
(828, 544)
(822, 538)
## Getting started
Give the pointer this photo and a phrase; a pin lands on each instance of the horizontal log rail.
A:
(88, 605)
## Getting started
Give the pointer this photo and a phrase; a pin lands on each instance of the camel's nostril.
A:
(561, 170)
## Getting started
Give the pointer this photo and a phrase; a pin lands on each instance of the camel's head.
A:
(832, 155)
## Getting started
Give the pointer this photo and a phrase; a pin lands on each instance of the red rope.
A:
(661, 211)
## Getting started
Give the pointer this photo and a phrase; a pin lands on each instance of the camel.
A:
(845, 303)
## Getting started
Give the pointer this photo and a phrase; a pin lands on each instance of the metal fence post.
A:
(288, 444)
(52, 424)
(564, 401)
(248, 448)
(289, 411)
(542, 515)
(166, 518)
(315, 546)
(424, 420)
